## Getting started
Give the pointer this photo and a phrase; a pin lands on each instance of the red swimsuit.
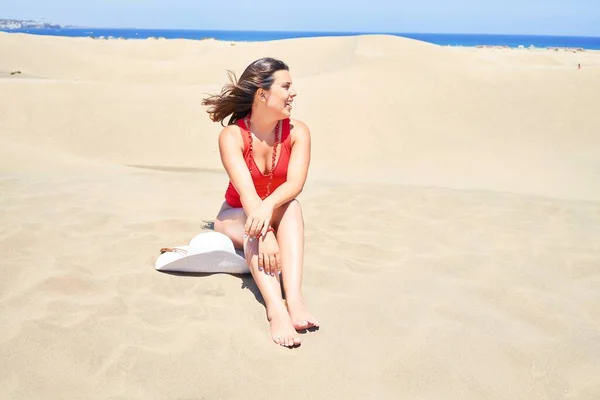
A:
(260, 180)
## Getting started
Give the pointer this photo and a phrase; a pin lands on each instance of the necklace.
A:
(277, 129)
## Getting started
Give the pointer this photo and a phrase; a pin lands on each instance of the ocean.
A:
(540, 41)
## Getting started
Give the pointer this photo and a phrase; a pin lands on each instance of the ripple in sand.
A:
(165, 168)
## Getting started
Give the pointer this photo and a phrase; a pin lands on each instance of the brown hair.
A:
(236, 98)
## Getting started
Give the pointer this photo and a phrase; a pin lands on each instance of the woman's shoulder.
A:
(298, 128)
(231, 135)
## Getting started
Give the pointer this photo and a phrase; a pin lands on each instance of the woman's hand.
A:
(268, 254)
(258, 221)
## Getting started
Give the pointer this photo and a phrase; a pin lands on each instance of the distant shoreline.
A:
(444, 39)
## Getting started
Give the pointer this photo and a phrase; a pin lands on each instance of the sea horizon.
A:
(443, 39)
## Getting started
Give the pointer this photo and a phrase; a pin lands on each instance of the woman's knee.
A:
(291, 209)
(296, 207)
(292, 206)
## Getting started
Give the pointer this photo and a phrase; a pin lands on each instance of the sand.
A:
(452, 223)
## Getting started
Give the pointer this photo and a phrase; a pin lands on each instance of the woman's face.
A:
(281, 95)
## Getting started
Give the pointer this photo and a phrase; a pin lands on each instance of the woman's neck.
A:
(262, 126)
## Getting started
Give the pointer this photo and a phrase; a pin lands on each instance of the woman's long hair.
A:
(236, 97)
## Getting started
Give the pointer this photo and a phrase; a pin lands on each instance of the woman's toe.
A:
(301, 324)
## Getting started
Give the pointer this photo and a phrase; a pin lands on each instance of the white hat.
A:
(208, 252)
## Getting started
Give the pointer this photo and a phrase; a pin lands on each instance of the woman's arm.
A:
(231, 148)
(297, 168)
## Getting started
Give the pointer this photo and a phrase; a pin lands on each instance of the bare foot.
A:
(282, 330)
(301, 319)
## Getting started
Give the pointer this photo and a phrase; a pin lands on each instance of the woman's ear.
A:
(261, 95)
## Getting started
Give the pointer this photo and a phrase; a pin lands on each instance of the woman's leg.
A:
(290, 237)
(231, 221)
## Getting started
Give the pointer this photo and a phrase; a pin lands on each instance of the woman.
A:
(266, 155)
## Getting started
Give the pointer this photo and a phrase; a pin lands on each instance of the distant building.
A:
(8, 24)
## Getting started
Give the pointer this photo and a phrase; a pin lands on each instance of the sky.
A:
(543, 17)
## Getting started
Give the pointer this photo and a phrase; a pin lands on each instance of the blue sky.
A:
(545, 17)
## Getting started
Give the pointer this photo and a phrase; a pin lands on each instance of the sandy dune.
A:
(452, 223)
